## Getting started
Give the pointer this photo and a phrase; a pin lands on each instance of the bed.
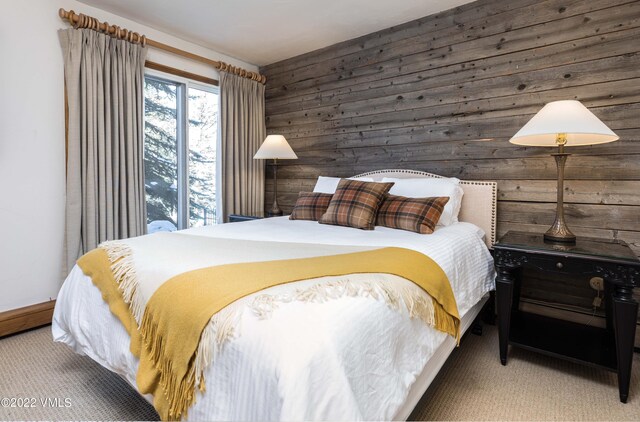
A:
(304, 361)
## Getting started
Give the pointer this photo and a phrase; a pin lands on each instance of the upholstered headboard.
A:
(478, 202)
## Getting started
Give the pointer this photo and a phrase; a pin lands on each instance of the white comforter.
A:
(304, 362)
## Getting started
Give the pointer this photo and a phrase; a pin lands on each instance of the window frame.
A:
(182, 138)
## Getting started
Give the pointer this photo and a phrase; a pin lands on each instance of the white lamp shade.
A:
(570, 117)
(275, 146)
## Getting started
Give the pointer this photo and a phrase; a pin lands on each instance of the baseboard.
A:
(26, 318)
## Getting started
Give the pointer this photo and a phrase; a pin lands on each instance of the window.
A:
(181, 133)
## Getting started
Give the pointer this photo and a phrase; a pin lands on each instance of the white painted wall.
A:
(32, 151)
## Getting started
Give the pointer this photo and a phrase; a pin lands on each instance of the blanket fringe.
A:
(123, 268)
(416, 302)
(180, 393)
(220, 329)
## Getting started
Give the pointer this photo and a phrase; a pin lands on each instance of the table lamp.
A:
(563, 124)
(275, 147)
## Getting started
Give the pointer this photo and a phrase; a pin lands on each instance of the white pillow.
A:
(330, 184)
(428, 187)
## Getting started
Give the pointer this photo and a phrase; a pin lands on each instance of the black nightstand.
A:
(236, 218)
(609, 348)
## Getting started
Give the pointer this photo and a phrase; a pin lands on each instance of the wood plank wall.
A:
(424, 95)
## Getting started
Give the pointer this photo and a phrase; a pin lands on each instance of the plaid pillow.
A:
(418, 215)
(355, 204)
(310, 206)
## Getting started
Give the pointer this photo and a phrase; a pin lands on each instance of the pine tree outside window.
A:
(181, 139)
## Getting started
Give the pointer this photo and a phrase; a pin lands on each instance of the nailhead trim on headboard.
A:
(493, 185)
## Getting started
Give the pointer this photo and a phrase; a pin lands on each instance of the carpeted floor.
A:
(33, 366)
(471, 386)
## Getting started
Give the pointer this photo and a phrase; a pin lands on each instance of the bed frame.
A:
(478, 203)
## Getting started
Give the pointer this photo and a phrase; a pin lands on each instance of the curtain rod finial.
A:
(62, 13)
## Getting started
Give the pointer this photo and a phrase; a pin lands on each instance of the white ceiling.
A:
(266, 31)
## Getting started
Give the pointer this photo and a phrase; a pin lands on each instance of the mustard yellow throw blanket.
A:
(167, 339)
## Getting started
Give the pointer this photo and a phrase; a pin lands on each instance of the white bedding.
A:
(304, 362)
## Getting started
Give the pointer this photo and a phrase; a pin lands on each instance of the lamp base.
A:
(275, 210)
(560, 233)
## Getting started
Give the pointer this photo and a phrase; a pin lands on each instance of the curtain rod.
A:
(84, 21)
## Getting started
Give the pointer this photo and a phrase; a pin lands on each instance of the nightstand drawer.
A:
(564, 265)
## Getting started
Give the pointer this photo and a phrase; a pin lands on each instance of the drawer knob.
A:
(559, 265)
